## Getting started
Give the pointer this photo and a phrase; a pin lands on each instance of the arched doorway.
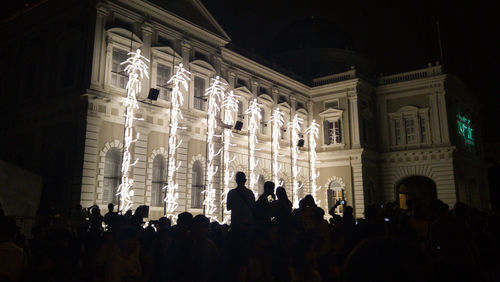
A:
(419, 190)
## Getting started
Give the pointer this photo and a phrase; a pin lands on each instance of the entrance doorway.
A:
(419, 190)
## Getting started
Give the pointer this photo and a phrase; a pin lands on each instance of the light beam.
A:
(180, 78)
(294, 125)
(135, 68)
(215, 94)
(253, 124)
(313, 131)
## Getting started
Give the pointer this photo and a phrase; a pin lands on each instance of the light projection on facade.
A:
(277, 122)
(295, 126)
(215, 94)
(313, 131)
(135, 68)
(230, 106)
(465, 130)
(180, 78)
(255, 116)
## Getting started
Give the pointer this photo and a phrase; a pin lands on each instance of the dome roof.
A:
(316, 47)
(311, 33)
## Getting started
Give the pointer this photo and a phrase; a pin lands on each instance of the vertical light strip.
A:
(180, 78)
(135, 68)
(230, 106)
(294, 125)
(254, 121)
(313, 131)
(215, 94)
(277, 122)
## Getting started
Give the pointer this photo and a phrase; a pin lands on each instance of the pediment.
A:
(124, 33)
(285, 105)
(202, 64)
(302, 111)
(166, 50)
(265, 98)
(243, 91)
(331, 113)
(408, 108)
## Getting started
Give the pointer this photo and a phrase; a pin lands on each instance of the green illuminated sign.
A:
(465, 130)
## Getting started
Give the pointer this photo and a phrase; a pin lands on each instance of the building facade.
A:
(410, 135)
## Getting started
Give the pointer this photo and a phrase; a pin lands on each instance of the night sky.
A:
(398, 35)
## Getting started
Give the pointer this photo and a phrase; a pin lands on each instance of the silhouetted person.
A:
(282, 207)
(163, 223)
(241, 202)
(263, 206)
(110, 216)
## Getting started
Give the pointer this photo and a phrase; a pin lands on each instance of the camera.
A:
(386, 219)
(342, 202)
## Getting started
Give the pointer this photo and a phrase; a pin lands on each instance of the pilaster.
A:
(98, 57)
(88, 194)
(354, 117)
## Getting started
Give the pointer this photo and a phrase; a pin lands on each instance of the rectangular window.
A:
(119, 77)
(333, 132)
(397, 131)
(423, 132)
(162, 77)
(199, 93)
(241, 82)
(410, 131)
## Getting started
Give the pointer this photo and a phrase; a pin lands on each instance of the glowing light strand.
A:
(230, 106)
(135, 68)
(215, 94)
(277, 121)
(294, 125)
(180, 78)
(253, 124)
(313, 131)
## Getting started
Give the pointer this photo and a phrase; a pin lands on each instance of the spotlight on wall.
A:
(300, 143)
(153, 94)
(238, 125)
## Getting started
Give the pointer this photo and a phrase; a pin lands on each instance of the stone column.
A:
(434, 124)
(354, 117)
(443, 118)
(383, 125)
(99, 54)
(358, 202)
(186, 52)
(147, 30)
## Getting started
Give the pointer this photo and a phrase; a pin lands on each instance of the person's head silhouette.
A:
(281, 193)
(111, 207)
(241, 179)
(269, 188)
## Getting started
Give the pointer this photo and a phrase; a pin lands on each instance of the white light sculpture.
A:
(135, 68)
(313, 131)
(294, 125)
(230, 106)
(180, 78)
(253, 124)
(215, 94)
(277, 122)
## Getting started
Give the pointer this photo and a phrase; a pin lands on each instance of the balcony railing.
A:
(411, 75)
(350, 74)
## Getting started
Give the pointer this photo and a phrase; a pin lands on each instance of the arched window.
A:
(112, 169)
(335, 193)
(196, 185)
(158, 181)
(260, 184)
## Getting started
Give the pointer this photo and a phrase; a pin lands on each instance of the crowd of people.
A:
(267, 240)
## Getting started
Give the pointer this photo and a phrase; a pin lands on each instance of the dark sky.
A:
(398, 35)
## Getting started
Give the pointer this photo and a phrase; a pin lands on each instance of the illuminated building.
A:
(378, 138)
